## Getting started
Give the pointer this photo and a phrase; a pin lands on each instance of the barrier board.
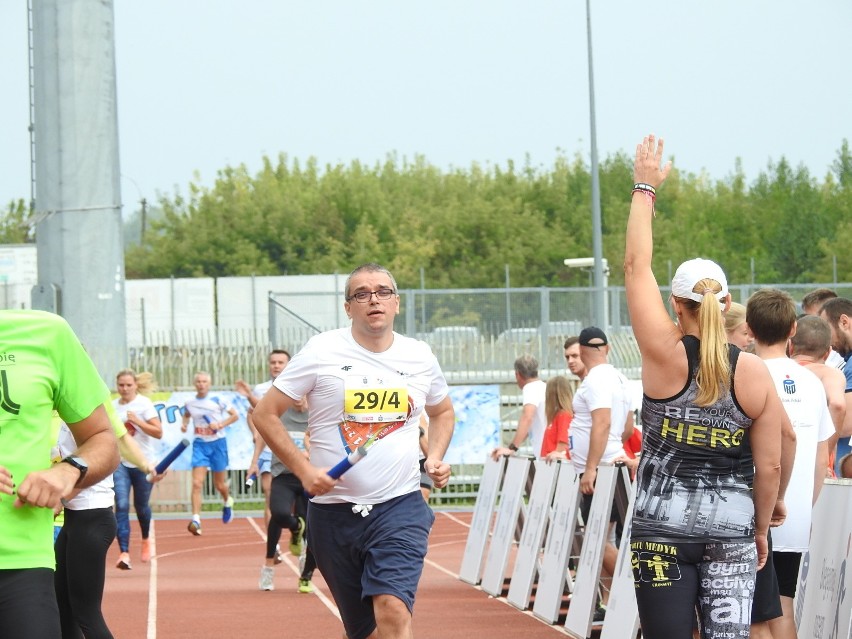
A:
(578, 622)
(511, 501)
(480, 525)
(622, 616)
(553, 576)
(532, 536)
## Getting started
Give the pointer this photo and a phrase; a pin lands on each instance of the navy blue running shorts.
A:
(361, 557)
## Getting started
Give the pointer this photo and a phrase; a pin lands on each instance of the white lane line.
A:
(152, 586)
(295, 568)
(559, 629)
(452, 517)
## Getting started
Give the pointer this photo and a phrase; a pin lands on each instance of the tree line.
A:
(462, 227)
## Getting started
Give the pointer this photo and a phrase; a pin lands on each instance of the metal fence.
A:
(475, 333)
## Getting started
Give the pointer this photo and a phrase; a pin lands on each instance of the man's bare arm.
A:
(97, 445)
(597, 445)
(524, 423)
(267, 420)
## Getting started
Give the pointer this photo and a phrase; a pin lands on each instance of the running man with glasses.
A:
(369, 530)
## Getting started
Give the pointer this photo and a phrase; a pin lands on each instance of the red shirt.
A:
(556, 431)
(633, 446)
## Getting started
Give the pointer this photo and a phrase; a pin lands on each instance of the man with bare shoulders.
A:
(810, 347)
(838, 313)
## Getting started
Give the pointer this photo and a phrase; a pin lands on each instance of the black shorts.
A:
(586, 506)
(767, 598)
(787, 569)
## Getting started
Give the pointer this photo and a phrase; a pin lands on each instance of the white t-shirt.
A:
(603, 387)
(100, 495)
(533, 393)
(803, 397)
(204, 411)
(259, 391)
(144, 408)
(378, 389)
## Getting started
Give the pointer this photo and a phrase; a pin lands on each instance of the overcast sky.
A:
(207, 84)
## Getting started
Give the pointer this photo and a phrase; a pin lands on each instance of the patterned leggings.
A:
(673, 579)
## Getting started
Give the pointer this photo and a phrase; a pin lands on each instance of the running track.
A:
(206, 587)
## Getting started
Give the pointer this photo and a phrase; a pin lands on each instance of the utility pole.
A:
(600, 292)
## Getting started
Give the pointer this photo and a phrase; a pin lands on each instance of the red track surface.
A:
(205, 587)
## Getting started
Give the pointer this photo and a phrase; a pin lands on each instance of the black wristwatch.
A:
(80, 464)
(512, 447)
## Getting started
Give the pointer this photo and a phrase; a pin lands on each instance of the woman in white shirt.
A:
(139, 416)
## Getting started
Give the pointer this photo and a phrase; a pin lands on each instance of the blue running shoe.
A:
(228, 511)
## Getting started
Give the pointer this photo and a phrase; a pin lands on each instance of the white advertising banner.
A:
(824, 593)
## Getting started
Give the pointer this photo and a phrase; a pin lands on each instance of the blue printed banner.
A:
(477, 429)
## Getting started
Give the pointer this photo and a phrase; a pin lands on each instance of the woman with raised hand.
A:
(698, 533)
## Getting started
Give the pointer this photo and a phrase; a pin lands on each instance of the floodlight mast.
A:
(601, 317)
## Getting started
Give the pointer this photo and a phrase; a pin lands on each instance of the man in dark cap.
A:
(601, 410)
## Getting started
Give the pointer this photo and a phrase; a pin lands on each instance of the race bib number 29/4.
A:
(371, 400)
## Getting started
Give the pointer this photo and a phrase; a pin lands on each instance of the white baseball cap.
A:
(691, 272)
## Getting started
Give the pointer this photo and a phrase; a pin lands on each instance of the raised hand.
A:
(647, 167)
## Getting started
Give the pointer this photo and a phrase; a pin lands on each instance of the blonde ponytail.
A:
(714, 367)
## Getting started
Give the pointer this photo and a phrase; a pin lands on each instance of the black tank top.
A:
(690, 485)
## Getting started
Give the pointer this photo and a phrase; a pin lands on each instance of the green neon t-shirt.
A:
(43, 367)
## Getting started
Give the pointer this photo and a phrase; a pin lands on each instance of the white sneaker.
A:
(267, 577)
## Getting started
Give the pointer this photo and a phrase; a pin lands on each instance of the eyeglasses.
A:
(362, 297)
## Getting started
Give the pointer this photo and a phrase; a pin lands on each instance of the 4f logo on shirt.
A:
(789, 386)
(6, 402)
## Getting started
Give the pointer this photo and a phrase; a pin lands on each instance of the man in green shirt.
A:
(43, 367)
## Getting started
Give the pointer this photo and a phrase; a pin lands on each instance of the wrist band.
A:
(649, 193)
(512, 447)
(642, 186)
